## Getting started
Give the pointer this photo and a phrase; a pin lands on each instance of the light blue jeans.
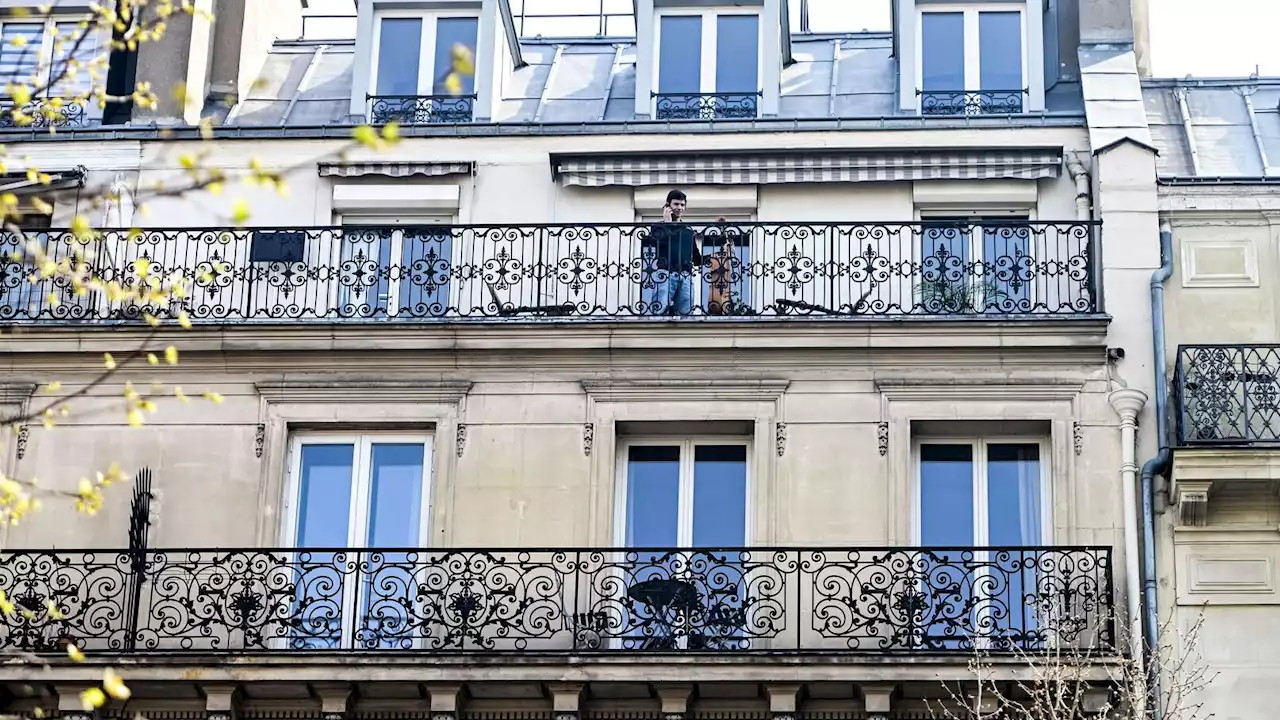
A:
(672, 295)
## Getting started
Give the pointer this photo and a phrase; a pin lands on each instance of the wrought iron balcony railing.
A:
(742, 270)
(706, 106)
(420, 109)
(1228, 394)
(861, 600)
(971, 102)
(46, 112)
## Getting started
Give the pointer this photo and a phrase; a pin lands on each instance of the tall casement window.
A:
(400, 266)
(708, 65)
(354, 492)
(980, 503)
(51, 55)
(972, 60)
(683, 510)
(976, 264)
(413, 64)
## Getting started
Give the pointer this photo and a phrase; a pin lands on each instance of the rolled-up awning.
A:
(21, 184)
(738, 168)
(398, 169)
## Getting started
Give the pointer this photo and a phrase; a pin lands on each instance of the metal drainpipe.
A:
(1081, 177)
(1161, 464)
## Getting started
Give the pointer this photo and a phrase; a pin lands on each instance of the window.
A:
(55, 56)
(976, 264)
(971, 61)
(413, 60)
(708, 65)
(684, 494)
(396, 267)
(719, 285)
(355, 491)
(979, 502)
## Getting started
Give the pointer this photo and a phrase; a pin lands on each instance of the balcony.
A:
(521, 272)
(48, 113)
(971, 102)
(1228, 395)
(420, 109)
(575, 601)
(706, 106)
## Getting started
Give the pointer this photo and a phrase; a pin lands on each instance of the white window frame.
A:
(684, 507)
(982, 525)
(707, 70)
(972, 48)
(358, 220)
(426, 50)
(358, 527)
(48, 38)
(361, 489)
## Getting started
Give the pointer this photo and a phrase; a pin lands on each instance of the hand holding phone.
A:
(666, 213)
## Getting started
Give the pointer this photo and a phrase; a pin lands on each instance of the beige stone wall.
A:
(523, 476)
(1220, 563)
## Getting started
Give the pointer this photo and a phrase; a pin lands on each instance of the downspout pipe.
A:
(1161, 464)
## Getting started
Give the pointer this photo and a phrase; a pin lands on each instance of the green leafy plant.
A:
(950, 297)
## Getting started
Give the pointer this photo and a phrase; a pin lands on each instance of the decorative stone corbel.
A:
(675, 699)
(566, 699)
(878, 698)
(1193, 502)
(444, 701)
(782, 700)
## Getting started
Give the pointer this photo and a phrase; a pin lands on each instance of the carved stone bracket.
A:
(1193, 502)
(780, 439)
(24, 433)
(882, 437)
(462, 439)
(259, 440)
(588, 438)
(1077, 437)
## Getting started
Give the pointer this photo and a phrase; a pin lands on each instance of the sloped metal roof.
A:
(308, 83)
(1215, 128)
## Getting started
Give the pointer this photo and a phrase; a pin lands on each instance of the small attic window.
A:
(972, 60)
(708, 64)
(412, 70)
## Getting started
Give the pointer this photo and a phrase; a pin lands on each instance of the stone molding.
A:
(978, 387)
(685, 390)
(362, 390)
(16, 393)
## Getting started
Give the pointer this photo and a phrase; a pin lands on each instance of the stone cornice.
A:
(363, 390)
(1088, 332)
(708, 390)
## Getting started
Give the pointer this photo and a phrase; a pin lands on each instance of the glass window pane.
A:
(720, 496)
(653, 496)
(946, 495)
(1000, 51)
(399, 50)
(1013, 494)
(395, 503)
(737, 53)
(71, 70)
(324, 495)
(942, 51)
(680, 54)
(18, 64)
(452, 32)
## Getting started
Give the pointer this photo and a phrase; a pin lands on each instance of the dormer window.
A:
(972, 60)
(707, 65)
(49, 55)
(412, 65)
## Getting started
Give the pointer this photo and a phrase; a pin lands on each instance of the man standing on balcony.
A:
(669, 254)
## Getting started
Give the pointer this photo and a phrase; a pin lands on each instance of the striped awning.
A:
(764, 169)
(398, 170)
